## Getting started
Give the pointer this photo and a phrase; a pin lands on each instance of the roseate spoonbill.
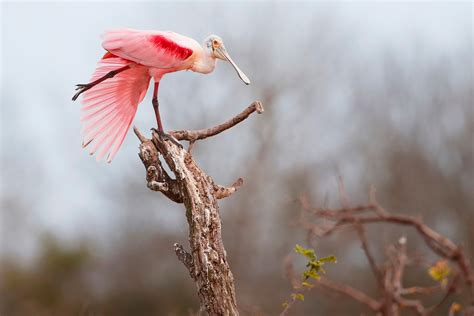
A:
(121, 80)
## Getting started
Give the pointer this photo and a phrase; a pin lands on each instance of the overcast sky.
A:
(47, 48)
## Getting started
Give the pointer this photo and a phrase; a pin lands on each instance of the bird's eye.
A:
(215, 43)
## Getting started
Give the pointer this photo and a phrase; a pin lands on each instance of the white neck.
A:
(205, 62)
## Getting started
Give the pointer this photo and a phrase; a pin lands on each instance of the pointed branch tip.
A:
(238, 183)
(139, 134)
(221, 192)
(259, 107)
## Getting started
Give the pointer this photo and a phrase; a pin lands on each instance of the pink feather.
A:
(109, 108)
(163, 50)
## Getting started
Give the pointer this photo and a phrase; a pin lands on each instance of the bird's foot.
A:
(165, 136)
(80, 88)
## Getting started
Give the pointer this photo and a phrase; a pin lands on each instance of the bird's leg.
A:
(83, 87)
(156, 107)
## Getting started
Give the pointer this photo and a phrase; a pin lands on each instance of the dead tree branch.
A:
(195, 135)
(320, 222)
(440, 244)
(351, 292)
(206, 261)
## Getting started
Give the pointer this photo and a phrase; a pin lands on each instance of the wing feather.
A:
(150, 48)
(109, 108)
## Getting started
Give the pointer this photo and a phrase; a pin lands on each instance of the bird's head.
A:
(216, 48)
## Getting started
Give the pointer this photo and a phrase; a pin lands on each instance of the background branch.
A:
(390, 275)
(349, 291)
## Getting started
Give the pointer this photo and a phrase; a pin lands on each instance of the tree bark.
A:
(206, 262)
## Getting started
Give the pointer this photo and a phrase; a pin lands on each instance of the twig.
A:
(192, 136)
(451, 289)
(399, 259)
(420, 290)
(221, 192)
(353, 293)
(365, 246)
(361, 233)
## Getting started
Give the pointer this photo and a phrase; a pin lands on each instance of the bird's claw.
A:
(80, 88)
(165, 136)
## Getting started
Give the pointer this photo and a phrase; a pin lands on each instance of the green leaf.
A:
(328, 259)
(311, 274)
(307, 284)
(298, 296)
(308, 253)
(299, 249)
(316, 265)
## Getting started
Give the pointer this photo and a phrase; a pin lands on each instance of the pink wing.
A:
(109, 108)
(150, 48)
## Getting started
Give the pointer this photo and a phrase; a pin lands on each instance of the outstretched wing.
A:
(109, 108)
(150, 48)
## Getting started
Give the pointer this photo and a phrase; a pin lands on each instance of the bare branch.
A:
(390, 276)
(221, 192)
(420, 290)
(440, 244)
(342, 212)
(398, 260)
(291, 275)
(343, 198)
(192, 136)
(373, 201)
(365, 246)
(139, 135)
(361, 233)
(353, 293)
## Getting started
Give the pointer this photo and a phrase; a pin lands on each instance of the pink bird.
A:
(122, 76)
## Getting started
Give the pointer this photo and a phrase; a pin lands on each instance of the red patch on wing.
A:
(162, 43)
(108, 55)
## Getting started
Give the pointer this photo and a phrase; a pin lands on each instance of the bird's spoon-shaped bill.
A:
(241, 74)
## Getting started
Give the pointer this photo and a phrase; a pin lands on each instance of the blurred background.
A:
(379, 93)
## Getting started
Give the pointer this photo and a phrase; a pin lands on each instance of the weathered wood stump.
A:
(206, 261)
